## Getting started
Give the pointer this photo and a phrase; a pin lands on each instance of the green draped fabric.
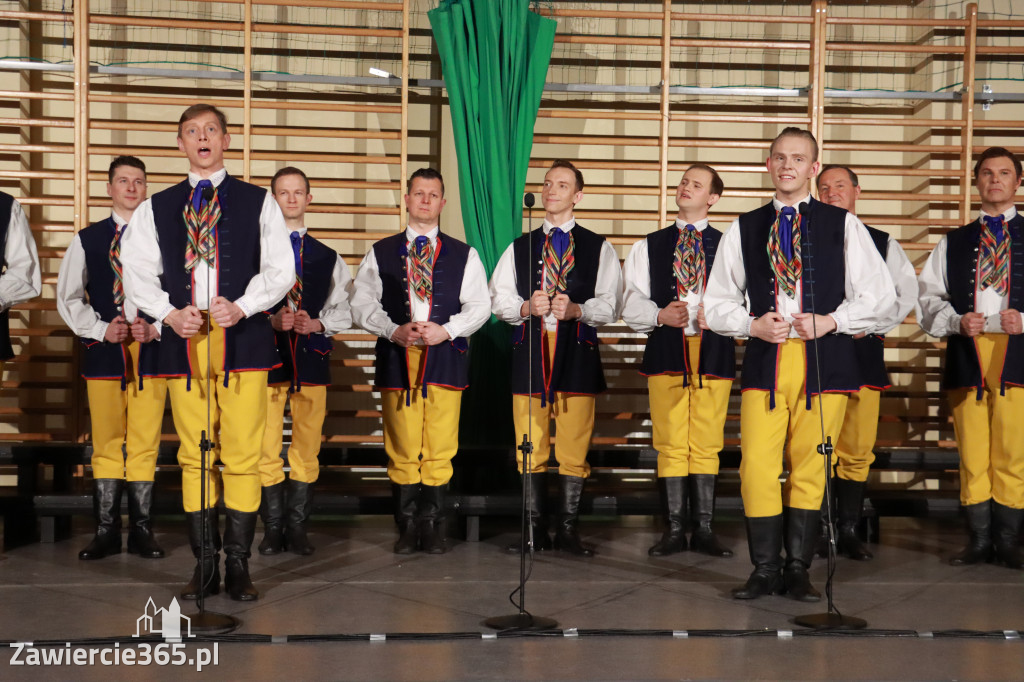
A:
(494, 59)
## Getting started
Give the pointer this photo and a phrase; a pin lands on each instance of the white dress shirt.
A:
(22, 280)
(367, 290)
(638, 310)
(603, 308)
(870, 293)
(335, 316)
(143, 264)
(935, 311)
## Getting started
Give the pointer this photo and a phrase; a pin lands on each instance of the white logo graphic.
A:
(170, 621)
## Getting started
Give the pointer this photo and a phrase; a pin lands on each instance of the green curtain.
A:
(494, 59)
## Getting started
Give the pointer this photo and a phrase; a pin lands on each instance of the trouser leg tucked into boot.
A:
(801, 537)
(673, 491)
(702, 511)
(205, 544)
(430, 516)
(567, 537)
(537, 483)
(272, 512)
(300, 504)
(406, 498)
(106, 507)
(140, 530)
(239, 532)
(849, 507)
(764, 541)
(979, 528)
(1006, 524)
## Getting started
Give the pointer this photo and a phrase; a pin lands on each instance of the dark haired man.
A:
(423, 293)
(207, 257)
(970, 293)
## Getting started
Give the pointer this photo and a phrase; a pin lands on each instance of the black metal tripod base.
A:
(831, 621)
(211, 621)
(521, 621)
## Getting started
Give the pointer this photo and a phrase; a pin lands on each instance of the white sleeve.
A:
(935, 313)
(476, 304)
(367, 290)
(143, 264)
(605, 306)
(336, 315)
(725, 300)
(870, 293)
(638, 310)
(905, 280)
(72, 304)
(506, 303)
(277, 264)
(22, 279)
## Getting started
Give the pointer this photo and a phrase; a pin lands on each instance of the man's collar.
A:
(699, 225)
(548, 225)
(119, 222)
(1008, 215)
(411, 234)
(780, 205)
(216, 178)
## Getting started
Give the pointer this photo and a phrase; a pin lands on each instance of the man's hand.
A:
(539, 305)
(675, 314)
(407, 334)
(225, 313)
(770, 327)
(432, 333)
(306, 325)
(117, 330)
(702, 321)
(972, 324)
(185, 322)
(810, 326)
(563, 308)
(283, 320)
(1009, 321)
(143, 331)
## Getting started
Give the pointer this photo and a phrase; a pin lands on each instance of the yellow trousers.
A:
(855, 447)
(309, 408)
(132, 417)
(688, 422)
(989, 432)
(238, 413)
(421, 438)
(789, 434)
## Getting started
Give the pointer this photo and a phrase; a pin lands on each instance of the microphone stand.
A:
(524, 620)
(832, 619)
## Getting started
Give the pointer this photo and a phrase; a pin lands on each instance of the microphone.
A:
(529, 200)
(208, 193)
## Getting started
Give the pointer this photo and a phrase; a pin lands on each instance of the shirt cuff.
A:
(953, 324)
(746, 326)
(451, 334)
(842, 324)
(245, 305)
(165, 312)
(99, 330)
(390, 330)
(4, 304)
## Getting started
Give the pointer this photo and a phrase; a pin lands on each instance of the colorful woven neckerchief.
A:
(421, 268)
(688, 264)
(994, 255)
(559, 260)
(295, 294)
(201, 220)
(115, 264)
(784, 250)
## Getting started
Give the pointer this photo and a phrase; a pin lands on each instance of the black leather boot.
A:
(537, 511)
(801, 536)
(979, 527)
(1006, 524)
(140, 530)
(702, 511)
(406, 497)
(821, 548)
(849, 507)
(764, 541)
(567, 537)
(672, 491)
(106, 507)
(300, 504)
(272, 512)
(430, 517)
(239, 532)
(207, 571)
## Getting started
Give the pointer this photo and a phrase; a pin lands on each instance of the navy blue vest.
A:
(576, 367)
(822, 251)
(871, 348)
(102, 359)
(962, 367)
(666, 351)
(306, 358)
(6, 206)
(249, 345)
(445, 364)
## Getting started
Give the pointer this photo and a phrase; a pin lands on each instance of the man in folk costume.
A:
(839, 186)
(423, 293)
(571, 284)
(315, 309)
(813, 279)
(20, 279)
(972, 292)
(689, 368)
(207, 257)
(117, 344)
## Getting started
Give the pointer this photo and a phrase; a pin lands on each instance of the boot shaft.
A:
(300, 502)
(239, 533)
(106, 503)
(802, 529)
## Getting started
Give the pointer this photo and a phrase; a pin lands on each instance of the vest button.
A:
(188, 287)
